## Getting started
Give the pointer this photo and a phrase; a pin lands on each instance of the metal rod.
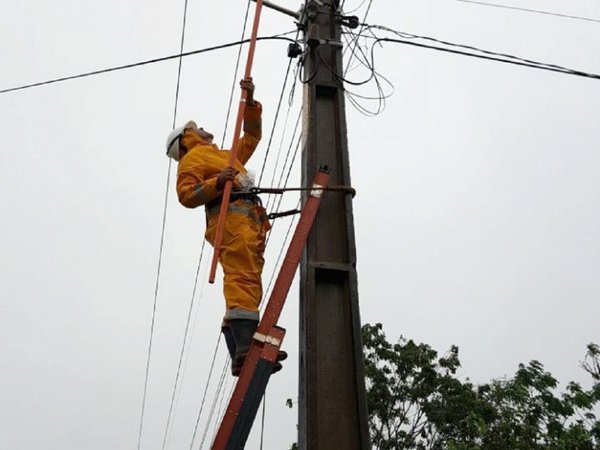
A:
(234, 146)
(281, 9)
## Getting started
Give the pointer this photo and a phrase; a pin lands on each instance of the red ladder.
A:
(250, 388)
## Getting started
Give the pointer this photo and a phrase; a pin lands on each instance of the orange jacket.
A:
(200, 166)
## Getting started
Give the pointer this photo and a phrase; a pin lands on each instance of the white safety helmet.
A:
(173, 139)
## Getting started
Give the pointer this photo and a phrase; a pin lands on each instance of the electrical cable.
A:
(362, 27)
(268, 204)
(220, 412)
(516, 61)
(262, 422)
(162, 234)
(382, 96)
(289, 170)
(354, 9)
(213, 406)
(185, 335)
(285, 124)
(280, 37)
(287, 73)
(518, 8)
(208, 378)
(467, 47)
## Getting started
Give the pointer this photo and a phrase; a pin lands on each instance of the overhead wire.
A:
(278, 184)
(209, 377)
(287, 72)
(221, 410)
(529, 10)
(192, 338)
(162, 236)
(362, 27)
(185, 335)
(357, 53)
(352, 96)
(452, 47)
(463, 46)
(285, 123)
(515, 61)
(280, 37)
(289, 168)
(214, 403)
(262, 421)
(356, 8)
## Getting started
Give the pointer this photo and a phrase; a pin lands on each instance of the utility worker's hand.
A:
(227, 174)
(248, 86)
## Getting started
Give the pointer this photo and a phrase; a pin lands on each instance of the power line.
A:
(362, 28)
(208, 378)
(516, 61)
(287, 73)
(162, 237)
(486, 54)
(185, 335)
(537, 11)
(280, 37)
(214, 404)
(470, 47)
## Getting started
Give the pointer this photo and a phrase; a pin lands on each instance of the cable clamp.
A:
(267, 339)
(350, 21)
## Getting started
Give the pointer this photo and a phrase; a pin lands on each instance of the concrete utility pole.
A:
(332, 401)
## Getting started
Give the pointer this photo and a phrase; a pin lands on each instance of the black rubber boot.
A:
(230, 341)
(243, 330)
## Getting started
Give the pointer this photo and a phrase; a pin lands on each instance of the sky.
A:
(476, 214)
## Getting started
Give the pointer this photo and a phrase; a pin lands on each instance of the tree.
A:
(416, 402)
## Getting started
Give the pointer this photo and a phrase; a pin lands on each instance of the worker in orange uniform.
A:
(201, 176)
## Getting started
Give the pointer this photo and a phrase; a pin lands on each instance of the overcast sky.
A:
(477, 217)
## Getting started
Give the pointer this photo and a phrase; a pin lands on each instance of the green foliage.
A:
(416, 402)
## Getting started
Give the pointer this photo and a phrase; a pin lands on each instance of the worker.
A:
(201, 177)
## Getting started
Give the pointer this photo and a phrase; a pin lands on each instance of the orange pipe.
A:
(235, 145)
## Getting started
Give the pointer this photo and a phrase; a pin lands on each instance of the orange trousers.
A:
(241, 256)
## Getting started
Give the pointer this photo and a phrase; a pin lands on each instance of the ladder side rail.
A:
(239, 415)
